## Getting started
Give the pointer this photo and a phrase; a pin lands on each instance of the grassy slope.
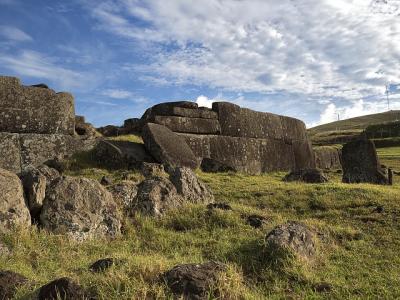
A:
(358, 248)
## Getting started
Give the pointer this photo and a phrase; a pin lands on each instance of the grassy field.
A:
(358, 245)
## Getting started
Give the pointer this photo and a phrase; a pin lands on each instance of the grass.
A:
(357, 246)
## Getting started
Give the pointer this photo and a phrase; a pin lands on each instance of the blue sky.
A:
(310, 59)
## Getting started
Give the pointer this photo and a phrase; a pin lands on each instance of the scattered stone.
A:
(9, 283)
(190, 187)
(124, 193)
(121, 154)
(64, 288)
(307, 176)
(167, 147)
(156, 195)
(152, 169)
(361, 163)
(13, 209)
(102, 265)
(213, 166)
(256, 221)
(106, 181)
(294, 237)
(379, 209)
(195, 281)
(323, 287)
(219, 205)
(81, 208)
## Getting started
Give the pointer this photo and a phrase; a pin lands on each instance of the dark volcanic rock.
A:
(41, 85)
(213, 166)
(256, 221)
(293, 237)
(195, 281)
(155, 196)
(152, 169)
(133, 126)
(189, 125)
(81, 208)
(306, 175)
(124, 194)
(83, 128)
(64, 288)
(361, 163)
(106, 181)
(328, 158)
(9, 283)
(10, 152)
(110, 130)
(219, 205)
(102, 265)
(166, 109)
(167, 147)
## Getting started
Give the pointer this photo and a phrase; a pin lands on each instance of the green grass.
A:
(357, 246)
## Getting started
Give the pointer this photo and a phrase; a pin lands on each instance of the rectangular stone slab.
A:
(189, 125)
(10, 152)
(26, 109)
(202, 113)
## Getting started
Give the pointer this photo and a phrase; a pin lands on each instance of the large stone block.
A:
(166, 109)
(201, 112)
(31, 109)
(168, 147)
(189, 125)
(328, 157)
(10, 152)
(303, 155)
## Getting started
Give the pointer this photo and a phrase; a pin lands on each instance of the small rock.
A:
(194, 281)
(379, 209)
(307, 176)
(292, 236)
(106, 181)
(219, 205)
(64, 288)
(102, 265)
(323, 287)
(256, 221)
(152, 169)
(9, 283)
(124, 193)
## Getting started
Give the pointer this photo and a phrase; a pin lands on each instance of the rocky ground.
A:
(343, 241)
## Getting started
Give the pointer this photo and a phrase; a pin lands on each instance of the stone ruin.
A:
(36, 124)
(229, 136)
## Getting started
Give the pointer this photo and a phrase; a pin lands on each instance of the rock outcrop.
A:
(81, 208)
(361, 163)
(195, 281)
(237, 138)
(13, 209)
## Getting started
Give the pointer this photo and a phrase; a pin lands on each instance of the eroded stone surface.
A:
(189, 125)
(328, 158)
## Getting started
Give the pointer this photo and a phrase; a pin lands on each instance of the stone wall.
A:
(242, 139)
(28, 109)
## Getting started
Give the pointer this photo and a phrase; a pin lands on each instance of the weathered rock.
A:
(85, 129)
(81, 208)
(9, 283)
(189, 186)
(361, 163)
(256, 221)
(304, 157)
(166, 109)
(213, 166)
(306, 175)
(34, 184)
(41, 85)
(189, 125)
(106, 181)
(10, 152)
(124, 193)
(201, 112)
(121, 154)
(292, 237)
(167, 147)
(13, 209)
(195, 281)
(102, 264)
(25, 109)
(133, 126)
(64, 288)
(110, 130)
(328, 158)
(155, 196)
(152, 169)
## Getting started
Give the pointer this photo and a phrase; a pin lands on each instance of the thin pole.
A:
(387, 97)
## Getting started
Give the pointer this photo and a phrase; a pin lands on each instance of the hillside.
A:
(358, 123)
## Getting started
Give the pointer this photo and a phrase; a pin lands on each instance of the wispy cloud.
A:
(118, 94)
(14, 34)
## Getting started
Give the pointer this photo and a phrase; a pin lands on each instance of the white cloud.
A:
(203, 101)
(14, 34)
(118, 94)
(317, 49)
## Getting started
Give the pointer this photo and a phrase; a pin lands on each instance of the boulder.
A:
(167, 147)
(195, 281)
(80, 208)
(9, 283)
(105, 180)
(133, 126)
(13, 209)
(10, 152)
(29, 109)
(121, 154)
(110, 130)
(294, 238)
(124, 193)
(361, 163)
(189, 125)
(63, 288)
(307, 176)
(256, 221)
(189, 186)
(201, 112)
(102, 264)
(155, 196)
(152, 169)
(328, 158)
(166, 109)
(84, 129)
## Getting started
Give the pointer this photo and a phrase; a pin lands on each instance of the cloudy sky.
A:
(310, 59)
